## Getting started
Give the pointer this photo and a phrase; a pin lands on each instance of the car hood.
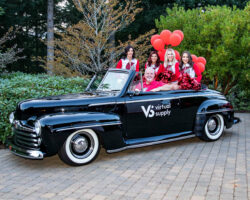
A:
(61, 103)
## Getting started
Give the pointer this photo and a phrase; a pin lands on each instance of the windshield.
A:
(111, 81)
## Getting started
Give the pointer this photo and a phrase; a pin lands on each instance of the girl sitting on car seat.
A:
(188, 67)
(171, 65)
(128, 61)
(154, 62)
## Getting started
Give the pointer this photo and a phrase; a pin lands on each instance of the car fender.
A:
(56, 128)
(213, 106)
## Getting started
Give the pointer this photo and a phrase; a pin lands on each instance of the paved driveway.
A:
(188, 169)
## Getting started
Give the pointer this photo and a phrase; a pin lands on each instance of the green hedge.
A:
(16, 87)
(221, 35)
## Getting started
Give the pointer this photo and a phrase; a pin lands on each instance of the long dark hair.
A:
(190, 60)
(158, 61)
(126, 51)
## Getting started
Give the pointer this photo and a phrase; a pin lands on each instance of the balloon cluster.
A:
(174, 38)
(167, 38)
(200, 62)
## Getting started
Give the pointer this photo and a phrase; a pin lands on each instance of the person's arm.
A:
(137, 66)
(160, 70)
(119, 64)
(177, 70)
(198, 73)
(162, 88)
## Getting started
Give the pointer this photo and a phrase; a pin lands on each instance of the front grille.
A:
(25, 137)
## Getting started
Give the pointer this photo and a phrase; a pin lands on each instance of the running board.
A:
(150, 143)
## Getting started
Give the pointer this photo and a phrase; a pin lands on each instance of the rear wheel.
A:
(80, 148)
(213, 128)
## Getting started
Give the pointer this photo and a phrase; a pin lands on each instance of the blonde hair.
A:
(166, 57)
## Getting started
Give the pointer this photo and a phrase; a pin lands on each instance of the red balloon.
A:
(180, 33)
(158, 44)
(175, 39)
(154, 37)
(202, 60)
(201, 66)
(177, 55)
(162, 54)
(165, 35)
(194, 58)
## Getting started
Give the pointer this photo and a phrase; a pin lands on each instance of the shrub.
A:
(16, 87)
(221, 35)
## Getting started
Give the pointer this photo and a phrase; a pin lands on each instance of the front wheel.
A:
(80, 148)
(213, 128)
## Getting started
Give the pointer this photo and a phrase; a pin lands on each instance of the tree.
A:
(30, 18)
(1, 11)
(10, 55)
(221, 35)
(86, 46)
(50, 36)
(153, 9)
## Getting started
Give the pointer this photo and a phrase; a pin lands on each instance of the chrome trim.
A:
(100, 104)
(30, 135)
(11, 117)
(157, 99)
(25, 153)
(89, 126)
(167, 98)
(214, 111)
(151, 143)
(19, 126)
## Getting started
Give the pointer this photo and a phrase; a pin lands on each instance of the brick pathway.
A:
(188, 169)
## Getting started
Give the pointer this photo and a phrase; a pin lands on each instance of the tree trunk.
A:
(112, 54)
(216, 81)
(36, 38)
(226, 85)
(229, 87)
(50, 36)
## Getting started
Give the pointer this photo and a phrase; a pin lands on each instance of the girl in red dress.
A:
(154, 62)
(171, 64)
(187, 66)
(128, 61)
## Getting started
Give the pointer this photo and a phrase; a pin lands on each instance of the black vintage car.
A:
(116, 116)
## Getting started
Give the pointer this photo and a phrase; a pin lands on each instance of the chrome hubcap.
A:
(80, 144)
(211, 125)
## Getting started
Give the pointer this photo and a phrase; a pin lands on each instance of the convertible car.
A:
(116, 116)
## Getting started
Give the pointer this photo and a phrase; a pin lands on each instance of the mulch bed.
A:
(242, 111)
(2, 146)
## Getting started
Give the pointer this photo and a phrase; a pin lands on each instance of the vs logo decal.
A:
(160, 110)
(149, 112)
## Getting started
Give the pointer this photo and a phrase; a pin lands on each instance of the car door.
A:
(151, 114)
(189, 104)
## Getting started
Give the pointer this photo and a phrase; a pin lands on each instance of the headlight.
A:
(11, 117)
(38, 128)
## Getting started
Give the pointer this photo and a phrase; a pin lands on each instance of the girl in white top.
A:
(128, 61)
(154, 62)
(171, 64)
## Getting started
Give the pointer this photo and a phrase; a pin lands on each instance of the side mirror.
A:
(133, 93)
(137, 92)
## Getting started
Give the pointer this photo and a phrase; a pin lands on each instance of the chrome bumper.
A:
(25, 153)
